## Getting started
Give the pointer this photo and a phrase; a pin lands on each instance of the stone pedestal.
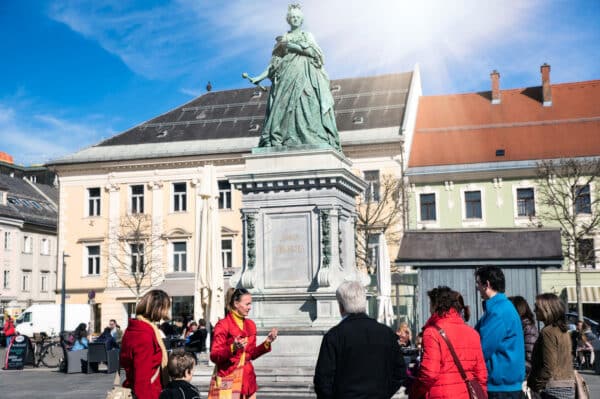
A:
(298, 208)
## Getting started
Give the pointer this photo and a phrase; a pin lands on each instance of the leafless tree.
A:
(569, 195)
(133, 261)
(380, 210)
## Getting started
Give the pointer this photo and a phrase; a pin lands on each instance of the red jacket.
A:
(140, 357)
(221, 353)
(9, 327)
(438, 375)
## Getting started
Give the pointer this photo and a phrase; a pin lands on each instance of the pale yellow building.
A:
(155, 169)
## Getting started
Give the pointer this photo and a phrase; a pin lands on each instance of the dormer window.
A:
(358, 120)
(256, 94)
(336, 88)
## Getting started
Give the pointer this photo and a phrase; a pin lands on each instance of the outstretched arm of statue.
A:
(257, 79)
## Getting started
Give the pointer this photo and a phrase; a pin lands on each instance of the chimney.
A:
(546, 89)
(495, 75)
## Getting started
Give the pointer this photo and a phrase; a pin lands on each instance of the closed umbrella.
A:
(385, 312)
(209, 299)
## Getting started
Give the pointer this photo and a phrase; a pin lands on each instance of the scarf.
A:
(165, 356)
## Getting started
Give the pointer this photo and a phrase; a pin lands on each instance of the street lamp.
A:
(63, 293)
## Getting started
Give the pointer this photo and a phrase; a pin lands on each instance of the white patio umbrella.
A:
(385, 311)
(209, 295)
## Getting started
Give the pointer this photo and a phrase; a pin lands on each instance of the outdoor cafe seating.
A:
(97, 353)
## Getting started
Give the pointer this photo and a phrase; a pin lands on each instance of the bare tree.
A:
(133, 260)
(380, 210)
(569, 195)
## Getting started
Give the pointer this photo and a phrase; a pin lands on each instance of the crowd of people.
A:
(503, 356)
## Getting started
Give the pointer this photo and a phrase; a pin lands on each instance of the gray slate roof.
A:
(379, 100)
(231, 121)
(27, 204)
(479, 245)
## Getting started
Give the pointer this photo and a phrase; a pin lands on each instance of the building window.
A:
(44, 282)
(525, 202)
(7, 240)
(27, 244)
(473, 204)
(224, 194)
(137, 198)
(25, 281)
(179, 256)
(373, 188)
(45, 246)
(372, 250)
(6, 279)
(94, 201)
(427, 207)
(585, 252)
(179, 197)
(583, 202)
(226, 253)
(93, 260)
(137, 258)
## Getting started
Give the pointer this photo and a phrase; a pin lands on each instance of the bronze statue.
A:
(300, 104)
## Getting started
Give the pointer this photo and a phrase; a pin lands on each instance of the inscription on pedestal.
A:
(288, 251)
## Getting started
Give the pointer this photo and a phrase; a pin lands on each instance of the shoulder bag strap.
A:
(456, 360)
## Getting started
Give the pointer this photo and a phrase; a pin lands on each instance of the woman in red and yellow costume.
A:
(235, 335)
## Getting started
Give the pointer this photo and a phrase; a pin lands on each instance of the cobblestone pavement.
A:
(43, 383)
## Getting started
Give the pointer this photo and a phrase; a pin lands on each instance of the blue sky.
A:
(76, 72)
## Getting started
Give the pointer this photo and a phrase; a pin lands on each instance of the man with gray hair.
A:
(359, 358)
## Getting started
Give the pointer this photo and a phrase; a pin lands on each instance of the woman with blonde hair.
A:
(234, 340)
(143, 354)
(551, 373)
(404, 335)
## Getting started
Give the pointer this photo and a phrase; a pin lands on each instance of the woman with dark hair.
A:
(438, 376)
(143, 354)
(530, 331)
(551, 361)
(234, 336)
(80, 338)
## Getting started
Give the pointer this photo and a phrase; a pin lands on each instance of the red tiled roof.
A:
(468, 128)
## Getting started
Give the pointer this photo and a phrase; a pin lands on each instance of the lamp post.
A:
(63, 293)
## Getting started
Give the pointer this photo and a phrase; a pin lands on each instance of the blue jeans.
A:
(506, 395)
(8, 340)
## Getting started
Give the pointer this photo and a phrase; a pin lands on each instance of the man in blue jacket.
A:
(501, 336)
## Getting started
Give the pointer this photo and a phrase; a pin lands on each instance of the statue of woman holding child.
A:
(300, 105)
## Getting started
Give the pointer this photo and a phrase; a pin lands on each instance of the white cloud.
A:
(43, 137)
(187, 37)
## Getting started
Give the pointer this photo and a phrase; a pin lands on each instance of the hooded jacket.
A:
(438, 375)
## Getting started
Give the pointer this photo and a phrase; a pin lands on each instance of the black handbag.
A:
(473, 387)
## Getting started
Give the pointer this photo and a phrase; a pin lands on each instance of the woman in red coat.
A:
(236, 334)
(143, 354)
(438, 375)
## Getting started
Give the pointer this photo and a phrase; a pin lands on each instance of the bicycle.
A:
(49, 354)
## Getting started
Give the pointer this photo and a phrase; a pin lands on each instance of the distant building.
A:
(156, 168)
(34, 173)
(472, 169)
(28, 220)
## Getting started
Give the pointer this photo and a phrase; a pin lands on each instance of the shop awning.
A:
(177, 286)
(589, 294)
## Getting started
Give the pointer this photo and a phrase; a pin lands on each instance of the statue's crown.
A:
(294, 6)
